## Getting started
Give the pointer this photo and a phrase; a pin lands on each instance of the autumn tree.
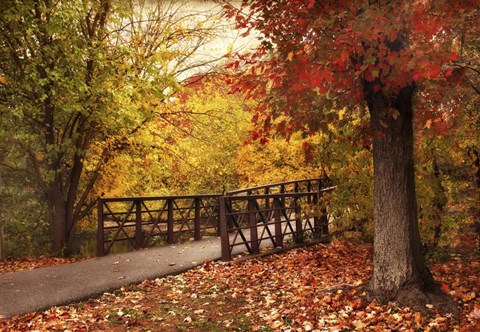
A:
(276, 161)
(190, 150)
(211, 139)
(78, 79)
(469, 64)
(318, 55)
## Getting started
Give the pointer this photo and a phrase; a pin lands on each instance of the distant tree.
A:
(190, 150)
(78, 78)
(316, 55)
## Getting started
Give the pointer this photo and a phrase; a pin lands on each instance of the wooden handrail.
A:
(278, 184)
(155, 198)
(204, 212)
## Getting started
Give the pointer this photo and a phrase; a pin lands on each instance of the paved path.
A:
(34, 290)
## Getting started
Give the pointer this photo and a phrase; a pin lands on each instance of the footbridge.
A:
(270, 216)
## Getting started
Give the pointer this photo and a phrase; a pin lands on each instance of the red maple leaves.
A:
(315, 288)
(310, 50)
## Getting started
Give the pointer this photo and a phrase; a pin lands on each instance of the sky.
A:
(228, 38)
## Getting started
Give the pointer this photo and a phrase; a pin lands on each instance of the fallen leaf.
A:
(290, 56)
(475, 314)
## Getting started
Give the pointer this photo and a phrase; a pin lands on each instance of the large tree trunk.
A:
(398, 259)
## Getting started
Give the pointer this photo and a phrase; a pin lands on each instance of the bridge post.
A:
(317, 231)
(277, 212)
(224, 238)
(197, 233)
(309, 189)
(170, 239)
(100, 229)
(298, 221)
(138, 225)
(230, 219)
(267, 200)
(252, 221)
(282, 191)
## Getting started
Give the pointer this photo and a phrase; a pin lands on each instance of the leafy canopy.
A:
(321, 54)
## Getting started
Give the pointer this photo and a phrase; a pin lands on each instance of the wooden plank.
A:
(278, 222)
(170, 221)
(252, 221)
(100, 229)
(138, 225)
(226, 254)
(197, 230)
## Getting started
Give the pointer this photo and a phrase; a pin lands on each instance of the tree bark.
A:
(398, 259)
(2, 243)
(58, 213)
(2, 215)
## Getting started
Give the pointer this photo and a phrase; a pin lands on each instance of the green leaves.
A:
(84, 77)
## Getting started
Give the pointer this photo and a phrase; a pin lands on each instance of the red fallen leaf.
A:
(445, 288)
(11, 264)
(264, 288)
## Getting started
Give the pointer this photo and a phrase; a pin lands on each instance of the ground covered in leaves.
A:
(318, 288)
(12, 264)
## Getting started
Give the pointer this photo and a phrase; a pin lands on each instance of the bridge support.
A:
(224, 238)
(100, 229)
(138, 225)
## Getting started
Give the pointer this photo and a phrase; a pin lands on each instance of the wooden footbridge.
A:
(272, 215)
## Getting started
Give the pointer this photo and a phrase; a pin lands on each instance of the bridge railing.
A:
(307, 185)
(140, 221)
(250, 221)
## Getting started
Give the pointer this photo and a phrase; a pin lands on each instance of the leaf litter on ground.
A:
(317, 288)
(12, 264)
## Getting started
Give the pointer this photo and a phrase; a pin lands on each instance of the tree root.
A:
(434, 300)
